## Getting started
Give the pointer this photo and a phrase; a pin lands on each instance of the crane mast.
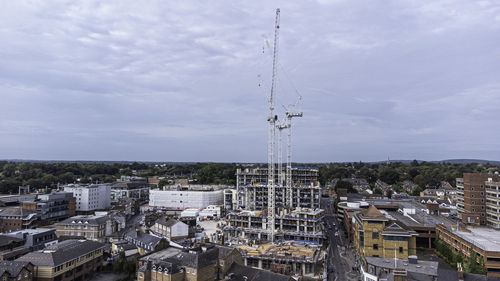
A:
(272, 137)
(289, 116)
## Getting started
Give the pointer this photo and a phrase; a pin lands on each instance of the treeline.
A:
(48, 175)
(424, 174)
(41, 175)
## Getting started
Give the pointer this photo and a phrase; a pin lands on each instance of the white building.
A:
(210, 211)
(183, 199)
(191, 212)
(90, 197)
(170, 229)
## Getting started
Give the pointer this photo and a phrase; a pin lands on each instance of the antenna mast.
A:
(272, 136)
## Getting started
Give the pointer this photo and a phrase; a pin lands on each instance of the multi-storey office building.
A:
(301, 224)
(54, 206)
(251, 186)
(90, 227)
(377, 235)
(132, 189)
(67, 260)
(194, 196)
(473, 196)
(90, 197)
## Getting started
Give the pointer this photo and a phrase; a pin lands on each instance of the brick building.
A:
(472, 198)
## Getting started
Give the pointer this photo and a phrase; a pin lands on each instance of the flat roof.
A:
(424, 267)
(162, 254)
(487, 239)
(31, 231)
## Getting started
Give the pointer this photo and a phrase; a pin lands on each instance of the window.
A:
(188, 270)
(221, 262)
(194, 271)
(375, 246)
(401, 249)
(374, 235)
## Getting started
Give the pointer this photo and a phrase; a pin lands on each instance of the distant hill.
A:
(451, 161)
(468, 161)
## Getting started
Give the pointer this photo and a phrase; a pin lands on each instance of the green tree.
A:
(389, 176)
(416, 191)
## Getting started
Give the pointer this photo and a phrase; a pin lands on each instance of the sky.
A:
(190, 80)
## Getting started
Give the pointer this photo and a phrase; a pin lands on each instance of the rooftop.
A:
(291, 251)
(84, 219)
(13, 268)
(240, 273)
(424, 267)
(487, 239)
(30, 231)
(15, 211)
(62, 252)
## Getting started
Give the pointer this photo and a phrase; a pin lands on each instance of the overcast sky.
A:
(189, 80)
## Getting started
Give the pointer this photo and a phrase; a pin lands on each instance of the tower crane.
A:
(272, 119)
(289, 116)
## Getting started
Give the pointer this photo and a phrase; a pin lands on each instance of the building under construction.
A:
(300, 224)
(286, 259)
(304, 190)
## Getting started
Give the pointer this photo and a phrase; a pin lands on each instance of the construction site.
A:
(252, 188)
(286, 259)
(277, 222)
(300, 224)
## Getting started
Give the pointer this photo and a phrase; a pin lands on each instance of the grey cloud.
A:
(170, 80)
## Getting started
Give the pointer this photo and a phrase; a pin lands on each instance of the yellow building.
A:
(67, 260)
(379, 235)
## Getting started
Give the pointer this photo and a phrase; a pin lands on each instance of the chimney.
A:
(137, 231)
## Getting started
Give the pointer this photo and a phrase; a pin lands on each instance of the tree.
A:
(389, 176)
(378, 191)
(345, 185)
(416, 191)
(67, 177)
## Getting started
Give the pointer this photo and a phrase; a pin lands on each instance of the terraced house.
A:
(379, 235)
(68, 260)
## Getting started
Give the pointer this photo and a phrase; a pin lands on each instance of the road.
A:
(340, 261)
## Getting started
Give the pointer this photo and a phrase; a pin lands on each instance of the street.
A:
(340, 259)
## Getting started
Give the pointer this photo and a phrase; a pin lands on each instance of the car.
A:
(336, 234)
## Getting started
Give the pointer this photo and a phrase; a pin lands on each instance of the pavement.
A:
(342, 262)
